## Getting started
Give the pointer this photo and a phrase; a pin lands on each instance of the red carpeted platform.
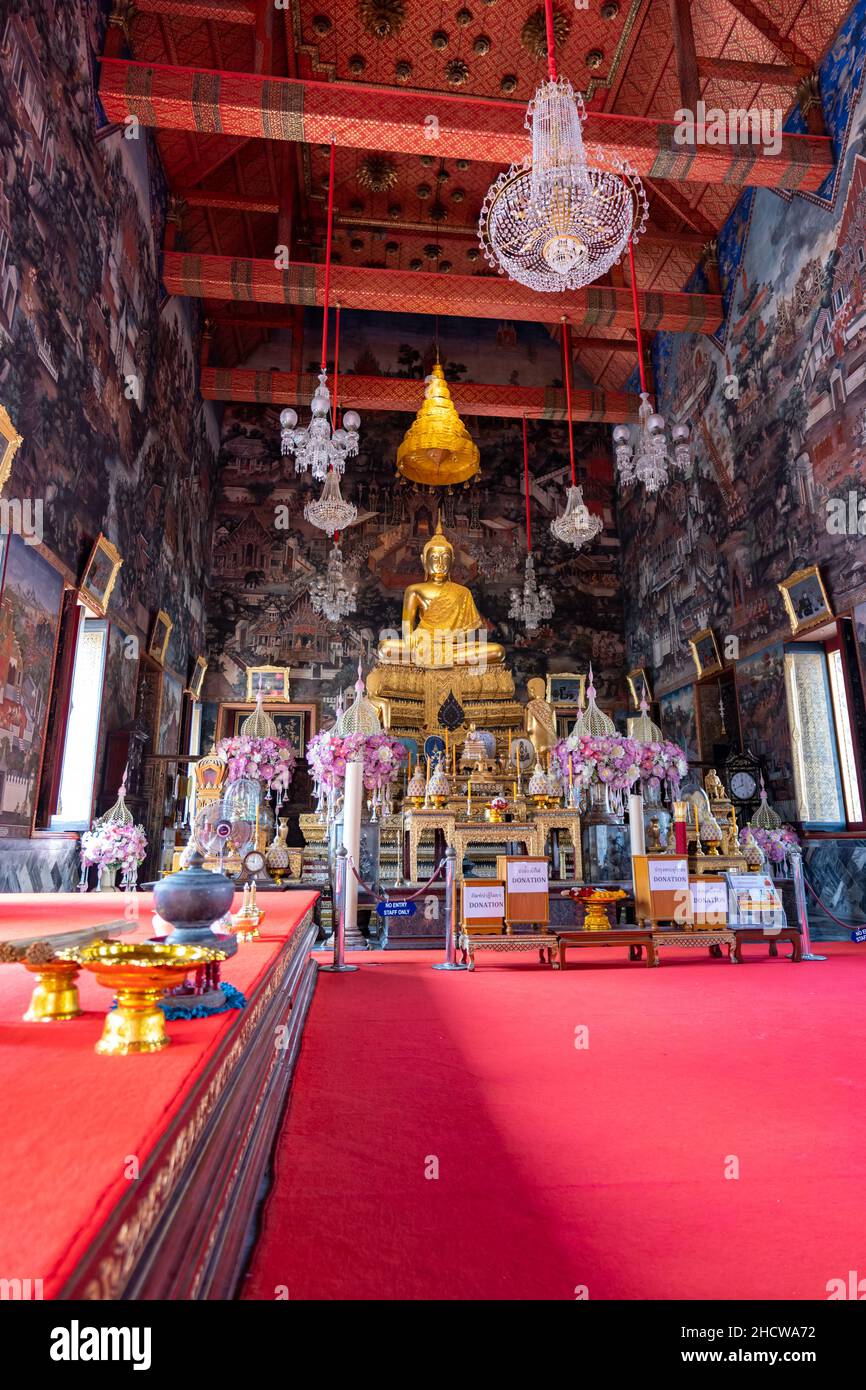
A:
(72, 1120)
(560, 1167)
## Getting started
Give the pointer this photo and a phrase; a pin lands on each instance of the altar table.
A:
(618, 936)
(755, 935)
(139, 1177)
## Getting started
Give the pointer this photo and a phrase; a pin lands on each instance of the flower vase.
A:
(654, 809)
(107, 878)
(277, 857)
(599, 810)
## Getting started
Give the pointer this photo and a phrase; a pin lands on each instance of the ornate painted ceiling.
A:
(410, 207)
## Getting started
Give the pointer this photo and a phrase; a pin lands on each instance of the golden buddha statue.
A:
(539, 718)
(441, 624)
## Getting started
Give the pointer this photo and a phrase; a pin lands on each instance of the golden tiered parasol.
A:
(437, 448)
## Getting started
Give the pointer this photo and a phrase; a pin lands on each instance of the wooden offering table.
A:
(713, 939)
(634, 937)
(544, 942)
(769, 938)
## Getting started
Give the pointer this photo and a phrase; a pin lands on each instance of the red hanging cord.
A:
(636, 315)
(551, 55)
(328, 260)
(526, 487)
(336, 364)
(566, 352)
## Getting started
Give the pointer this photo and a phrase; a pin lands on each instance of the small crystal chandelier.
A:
(333, 595)
(553, 221)
(331, 512)
(577, 526)
(535, 604)
(321, 448)
(650, 463)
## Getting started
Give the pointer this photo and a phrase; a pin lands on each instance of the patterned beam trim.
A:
(407, 122)
(240, 280)
(399, 393)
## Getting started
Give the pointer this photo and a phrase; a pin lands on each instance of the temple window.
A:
(75, 796)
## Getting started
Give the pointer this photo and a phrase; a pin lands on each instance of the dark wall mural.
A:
(777, 409)
(264, 553)
(98, 368)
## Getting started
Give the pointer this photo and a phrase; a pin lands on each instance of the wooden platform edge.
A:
(186, 1228)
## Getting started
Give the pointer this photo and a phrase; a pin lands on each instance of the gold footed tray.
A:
(139, 972)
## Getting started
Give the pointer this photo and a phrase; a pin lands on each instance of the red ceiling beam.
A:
(216, 11)
(405, 394)
(745, 71)
(245, 281)
(391, 119)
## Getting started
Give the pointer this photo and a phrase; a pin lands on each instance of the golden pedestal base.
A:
(140, 973)
(411, 696)
(55, 995)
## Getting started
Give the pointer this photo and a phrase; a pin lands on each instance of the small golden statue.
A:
(713, 785)
(441, 624)
(539, 719)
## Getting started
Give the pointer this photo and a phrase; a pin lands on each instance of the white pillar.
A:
(352, 802)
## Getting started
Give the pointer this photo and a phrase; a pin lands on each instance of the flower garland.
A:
(329, 753)
(114, 846)
(606, 758)
(774, 843)
(271, 760)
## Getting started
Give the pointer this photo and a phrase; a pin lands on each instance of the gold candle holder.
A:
(140, 972)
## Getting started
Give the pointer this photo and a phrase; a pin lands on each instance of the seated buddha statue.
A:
(441, 624)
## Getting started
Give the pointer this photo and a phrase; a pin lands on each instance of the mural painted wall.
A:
(777, 408)
(98, 369)
(261, 613)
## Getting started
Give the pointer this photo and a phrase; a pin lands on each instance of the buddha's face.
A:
(437, 564)
(536, 688)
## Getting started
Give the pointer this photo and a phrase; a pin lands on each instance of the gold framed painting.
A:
(100, 573)
(10, 442)
(297, 723)
(272, 681)
(805, 598)
(705, 653)
(197, 678)
(565, 688)
(159, 637)
(638, 682)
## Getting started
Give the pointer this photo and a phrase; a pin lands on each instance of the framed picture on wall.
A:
(705, 653)
(197, 678)
(565, 688)
(272, 681)
(100, 574)
(159, 637)
(805, 598)
(297, 723)
(10, 442)
(638, 682)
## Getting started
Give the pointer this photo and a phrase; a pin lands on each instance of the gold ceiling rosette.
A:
(437, 448)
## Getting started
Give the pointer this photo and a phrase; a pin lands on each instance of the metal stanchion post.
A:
(450, 962)
(339, 965)
(795, 859)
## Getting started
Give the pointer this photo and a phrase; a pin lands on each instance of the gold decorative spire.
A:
(259, 724)
(437, 448)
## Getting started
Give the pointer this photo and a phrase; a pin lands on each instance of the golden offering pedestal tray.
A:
(596, 903)
(140, 973)
(55, 994)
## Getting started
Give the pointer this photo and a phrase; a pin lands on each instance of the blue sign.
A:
(859, 934)
(398, 907)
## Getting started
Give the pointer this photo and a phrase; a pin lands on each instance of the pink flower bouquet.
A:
(607, 758)
(663, 761)
(271, 760)
(114, 846)
(328, 754)
(774, 843)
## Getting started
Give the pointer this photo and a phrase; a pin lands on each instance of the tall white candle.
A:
(635, 825)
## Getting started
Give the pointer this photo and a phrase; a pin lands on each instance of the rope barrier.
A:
(374, 892)
(849, 926)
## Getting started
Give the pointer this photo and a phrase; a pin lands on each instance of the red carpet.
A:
(561, 1167)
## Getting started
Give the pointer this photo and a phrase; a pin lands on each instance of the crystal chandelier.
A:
(577, 526)
(322, 447)
(650, 463)
(333, 595)
(554, 222)
(535, 604)
(331, 512)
